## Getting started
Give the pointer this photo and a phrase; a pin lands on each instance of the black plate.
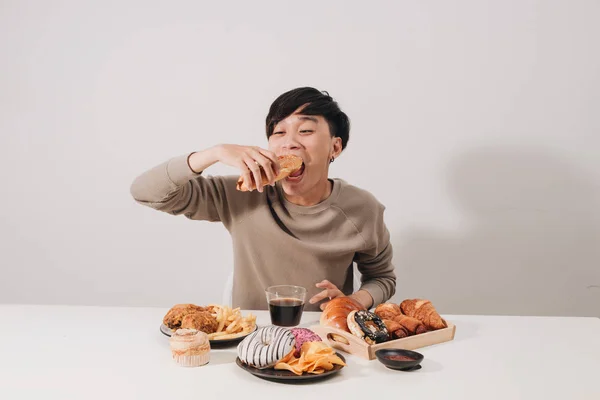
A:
(285, 375)
(165, 330)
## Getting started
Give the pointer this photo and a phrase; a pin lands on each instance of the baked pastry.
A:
(387, 310)
(412, 325)
(395, 330)
(288, 164)
(424, 311)
(174, 316)
(202, 321)
(266, 346)
(336, 312)
(302, 336)
(190, 348)
(368, 326)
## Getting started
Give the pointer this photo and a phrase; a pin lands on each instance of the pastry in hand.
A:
(395, 330)
(288, 164)
(174, 316)
(412, 325)
(387, 310)
(202, 321)
(424, 311)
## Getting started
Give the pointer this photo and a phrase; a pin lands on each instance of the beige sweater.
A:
(276, 242)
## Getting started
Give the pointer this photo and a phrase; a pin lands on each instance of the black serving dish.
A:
(289, 376)
(409, 360)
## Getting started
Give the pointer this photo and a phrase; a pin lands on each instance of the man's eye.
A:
(307, 131)
(278, 133)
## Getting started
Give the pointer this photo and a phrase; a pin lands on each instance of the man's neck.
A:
(319, 193)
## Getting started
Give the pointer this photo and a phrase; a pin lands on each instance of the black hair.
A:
(317, 103)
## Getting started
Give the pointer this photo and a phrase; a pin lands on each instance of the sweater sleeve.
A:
(173, 187)
(375, 261)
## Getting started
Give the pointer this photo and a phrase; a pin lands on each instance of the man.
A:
(306, 230)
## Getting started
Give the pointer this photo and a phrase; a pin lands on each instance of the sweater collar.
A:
(295, 208)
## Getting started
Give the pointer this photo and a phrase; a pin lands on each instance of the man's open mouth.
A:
(297, 174)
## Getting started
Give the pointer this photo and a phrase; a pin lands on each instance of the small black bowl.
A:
(402, 365)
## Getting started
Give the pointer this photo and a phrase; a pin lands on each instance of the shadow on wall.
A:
(528, 244)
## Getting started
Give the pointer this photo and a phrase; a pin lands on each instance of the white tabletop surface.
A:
(66, 352)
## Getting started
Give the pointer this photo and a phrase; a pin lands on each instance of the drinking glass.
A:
(286, 303)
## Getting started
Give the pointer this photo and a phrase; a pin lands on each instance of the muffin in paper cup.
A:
(190, 347)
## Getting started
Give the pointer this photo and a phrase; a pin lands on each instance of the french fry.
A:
(220, 319)
(232, 325)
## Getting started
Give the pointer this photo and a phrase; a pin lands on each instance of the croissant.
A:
(412, 325)
(336, 312)
(395, 330)
(424, 311)
(288, 164)
(387, 310)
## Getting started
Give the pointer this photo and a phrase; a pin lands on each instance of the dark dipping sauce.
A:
(398, 357)
(286, 311)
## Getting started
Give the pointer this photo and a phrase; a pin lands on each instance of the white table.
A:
(62, 352)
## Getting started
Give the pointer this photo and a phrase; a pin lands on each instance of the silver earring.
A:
(332, 159)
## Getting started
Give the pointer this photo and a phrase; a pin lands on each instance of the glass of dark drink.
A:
(286, 303)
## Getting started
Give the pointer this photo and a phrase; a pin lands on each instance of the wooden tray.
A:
(351, 344)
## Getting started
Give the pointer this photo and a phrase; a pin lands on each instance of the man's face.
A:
(308, 137)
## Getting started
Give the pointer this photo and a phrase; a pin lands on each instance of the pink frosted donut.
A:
(302, 336)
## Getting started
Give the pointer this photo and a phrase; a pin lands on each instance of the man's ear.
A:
(337, 146)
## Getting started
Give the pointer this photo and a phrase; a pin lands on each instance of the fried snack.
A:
(412, 325)
(388, 310)
(395, 330)
(315, 358)
(424, 311)
(288, 164)
(202, 321)
(230, 322)
(174, 316)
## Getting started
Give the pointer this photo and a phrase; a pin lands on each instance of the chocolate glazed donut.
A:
(367, 325)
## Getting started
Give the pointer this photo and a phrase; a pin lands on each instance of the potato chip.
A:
(315, 358)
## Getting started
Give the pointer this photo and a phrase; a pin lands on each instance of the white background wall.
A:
(474, 122)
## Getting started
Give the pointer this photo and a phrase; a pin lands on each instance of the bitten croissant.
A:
(424, 311)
